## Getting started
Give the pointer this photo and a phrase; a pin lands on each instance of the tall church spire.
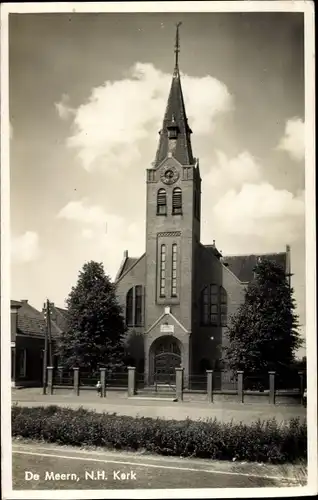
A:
(175, 133)
(177, 47)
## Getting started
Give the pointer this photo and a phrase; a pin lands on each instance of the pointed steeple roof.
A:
(175, 122)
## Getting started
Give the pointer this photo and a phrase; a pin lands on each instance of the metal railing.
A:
(198, 383)
(258, 382)
(224, 381)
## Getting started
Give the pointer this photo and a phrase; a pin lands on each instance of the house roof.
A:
(30, 321)
(242, 266)
(60, 317)
(15, 303)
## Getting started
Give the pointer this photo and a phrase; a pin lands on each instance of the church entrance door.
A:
(167, 359)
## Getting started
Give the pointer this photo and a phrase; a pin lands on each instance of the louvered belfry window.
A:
(177, 201)
(161, 202)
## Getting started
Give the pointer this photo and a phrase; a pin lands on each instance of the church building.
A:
(179, 294)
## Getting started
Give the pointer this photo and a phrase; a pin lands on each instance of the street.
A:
(122, 405)
(39, 466)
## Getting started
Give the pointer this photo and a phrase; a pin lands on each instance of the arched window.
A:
(214, 305)
(223, 306)
(205, 305)
(210, 305)
(138, 305)
(134, 306)
(176, 201)
(161, 202)
(174, 270)
(162, 291)
(129, 307)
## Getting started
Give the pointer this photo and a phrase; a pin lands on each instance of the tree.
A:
(96, 327)
(263, 334)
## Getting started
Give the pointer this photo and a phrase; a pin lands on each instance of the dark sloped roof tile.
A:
(32, 322)
(243, 265)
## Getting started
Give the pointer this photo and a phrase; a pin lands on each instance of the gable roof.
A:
(60, 317)
(130, 261)
(127, 264)
(30, 321)
(242, 266)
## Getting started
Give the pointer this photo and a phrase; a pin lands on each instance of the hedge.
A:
(267, 441)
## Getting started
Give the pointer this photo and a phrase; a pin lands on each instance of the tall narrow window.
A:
(177, 201)
(163, 271)
(138, 305)
(174, 271)
(129, 307)
(205, 306)
(223, 306)
(161, 202)
(214, 298)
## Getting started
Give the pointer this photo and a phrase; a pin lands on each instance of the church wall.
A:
(208, 269)
(136, 276)
(208, 340)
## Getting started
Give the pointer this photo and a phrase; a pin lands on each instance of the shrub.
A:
(266, 441)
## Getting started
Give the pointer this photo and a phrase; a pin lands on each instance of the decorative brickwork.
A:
(169, 233)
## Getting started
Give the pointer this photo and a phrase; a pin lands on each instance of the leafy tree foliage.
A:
(96, 325)
(263, 334)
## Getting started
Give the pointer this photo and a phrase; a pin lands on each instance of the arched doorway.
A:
(167, 357)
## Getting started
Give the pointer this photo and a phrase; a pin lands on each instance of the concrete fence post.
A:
(179, 383)
(131, 381)
(272, 387)
(209, 381)
(60, 374)
(240, 389)
(103, 382)
(50, 379)
(76, 381)
(301, 385)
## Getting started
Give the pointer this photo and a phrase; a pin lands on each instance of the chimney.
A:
(125, 254)
(24, 301)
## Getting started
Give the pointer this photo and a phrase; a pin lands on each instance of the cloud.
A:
(25, 248)
(233, 171)
(118, 126)
(293, 142)
(104, 236)
(261, 211)
(64, 110)
(80, 211)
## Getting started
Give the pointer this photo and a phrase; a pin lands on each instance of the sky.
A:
(87, 98)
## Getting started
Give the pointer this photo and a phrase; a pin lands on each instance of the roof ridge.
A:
(129, 268)
(254, 254)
